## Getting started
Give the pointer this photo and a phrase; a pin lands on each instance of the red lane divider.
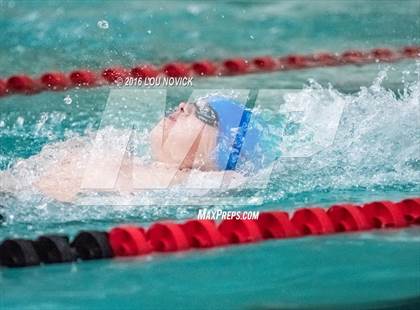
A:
(312, 221)
(55, 80)
(236, 66)
(265, 63)
(144, 71)
(383, 214)
(83, 78)
(276, 225)
(202, 234)
(131, 240)
(348, 218)
(167, 237)
(204, 68)
(411, 210)
(111, 75)
(3, 88)
(240, 231)
(176, 69)
(23, 84)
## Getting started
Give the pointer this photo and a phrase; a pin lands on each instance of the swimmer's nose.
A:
(181, 109)
(184, 108)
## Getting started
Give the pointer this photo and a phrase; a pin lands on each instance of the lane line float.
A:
(59, 81)
(168, 236)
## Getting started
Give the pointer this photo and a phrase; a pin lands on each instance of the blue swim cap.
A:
(238, 141)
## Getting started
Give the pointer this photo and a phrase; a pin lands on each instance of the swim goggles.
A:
(205, 113)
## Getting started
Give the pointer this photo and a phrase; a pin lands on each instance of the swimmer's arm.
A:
(61, 183)
(63, 179)
(58, 190)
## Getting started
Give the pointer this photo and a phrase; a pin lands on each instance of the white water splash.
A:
(67, 99)
(103, 24)
(377, 144)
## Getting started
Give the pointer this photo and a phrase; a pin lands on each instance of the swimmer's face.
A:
(183, 140)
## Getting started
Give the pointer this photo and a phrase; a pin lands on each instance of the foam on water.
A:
(377, 144)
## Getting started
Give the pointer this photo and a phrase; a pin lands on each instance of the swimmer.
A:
(210, 136)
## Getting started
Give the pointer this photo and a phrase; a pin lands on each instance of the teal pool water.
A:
(375, 154)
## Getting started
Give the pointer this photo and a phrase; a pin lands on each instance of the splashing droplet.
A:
(103, 24)
(19, 121)
(149, 31)
(68, 100)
